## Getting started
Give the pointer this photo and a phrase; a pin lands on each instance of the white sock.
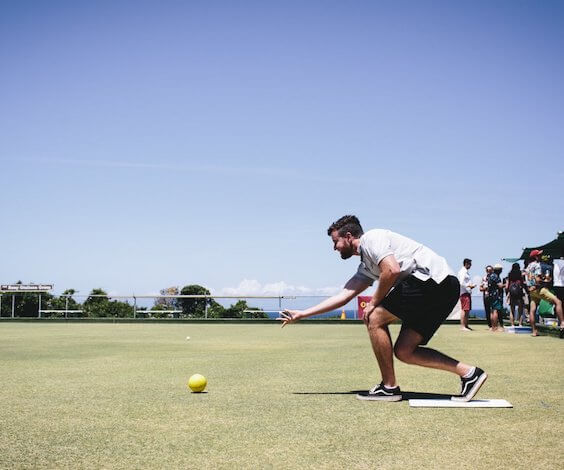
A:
(469, 373)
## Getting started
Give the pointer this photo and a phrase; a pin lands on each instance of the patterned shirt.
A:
(494, 292)
(534, 269)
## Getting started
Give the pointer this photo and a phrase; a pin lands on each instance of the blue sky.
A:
(149, 144)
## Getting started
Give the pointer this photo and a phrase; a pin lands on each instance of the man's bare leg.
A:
(520, 310)
(464, 320)
(558, 309)
(408, 349)
(381, 341)
(512, 313)
(494, 320)
(532, 317)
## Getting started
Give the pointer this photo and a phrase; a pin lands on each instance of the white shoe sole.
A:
(472, 393)
(369, 397)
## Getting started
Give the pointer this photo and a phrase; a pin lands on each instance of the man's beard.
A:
(346, 254)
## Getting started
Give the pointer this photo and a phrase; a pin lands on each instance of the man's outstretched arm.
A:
(352, 288)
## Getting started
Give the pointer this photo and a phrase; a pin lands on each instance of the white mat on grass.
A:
(518, 329)
(495, 403)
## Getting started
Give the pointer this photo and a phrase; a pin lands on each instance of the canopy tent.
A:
(554, 249)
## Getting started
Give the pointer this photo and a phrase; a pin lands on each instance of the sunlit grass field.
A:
(114, 396)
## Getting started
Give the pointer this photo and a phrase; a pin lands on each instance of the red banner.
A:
(362, 301)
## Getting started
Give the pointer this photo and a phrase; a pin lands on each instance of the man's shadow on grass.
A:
(405, 395)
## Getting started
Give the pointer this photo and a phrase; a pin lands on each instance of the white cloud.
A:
(252, 287)
(328, 290)
(178, 167)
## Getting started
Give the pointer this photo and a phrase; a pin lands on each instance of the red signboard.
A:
(362, 301)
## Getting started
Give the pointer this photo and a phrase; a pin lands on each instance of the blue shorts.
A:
(496, 304)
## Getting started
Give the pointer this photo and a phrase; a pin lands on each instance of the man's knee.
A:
(379, 318)
(403, 352)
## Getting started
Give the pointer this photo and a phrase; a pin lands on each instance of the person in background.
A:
(527, 299)
(466, 287)
(505, 296)
(486, 295)
(495, 292)
(537, 285)
(558, 283)
(558, 278)
(546, 266)
(515, 288)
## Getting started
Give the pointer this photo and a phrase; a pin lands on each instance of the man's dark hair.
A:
(467, 260)
(347, 223)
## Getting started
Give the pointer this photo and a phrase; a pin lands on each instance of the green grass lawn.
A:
(115, 396)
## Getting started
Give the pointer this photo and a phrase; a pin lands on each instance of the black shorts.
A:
(423, 305)
(559, 291)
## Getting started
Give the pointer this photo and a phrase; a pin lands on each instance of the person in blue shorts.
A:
(495, 293)
(415, 285)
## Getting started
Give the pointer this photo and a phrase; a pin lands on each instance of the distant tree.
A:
(94, 305)
(142, 312)
(216, 310)
(69, 292)
(159, 311)
(26, 304)
(9, 300)
(6, 305)
(99, 305)
(255, 312)
(119, 309)
(236, 310)
(168, 302)
(63, 301)
(240, 310)
(194, 307)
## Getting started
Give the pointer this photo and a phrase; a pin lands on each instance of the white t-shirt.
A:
(485, 286)
(558, 274)
(414, 258)
(464, 279)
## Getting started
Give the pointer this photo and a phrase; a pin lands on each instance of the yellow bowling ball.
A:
(197, 383)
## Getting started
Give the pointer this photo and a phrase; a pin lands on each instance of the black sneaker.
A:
(471, 385)
(381, 393)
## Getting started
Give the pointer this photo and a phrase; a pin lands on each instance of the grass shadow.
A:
(425, 396)
(405, 395)
(352, 392)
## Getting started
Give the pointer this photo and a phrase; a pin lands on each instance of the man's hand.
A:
(289, 316)
(367, 311)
